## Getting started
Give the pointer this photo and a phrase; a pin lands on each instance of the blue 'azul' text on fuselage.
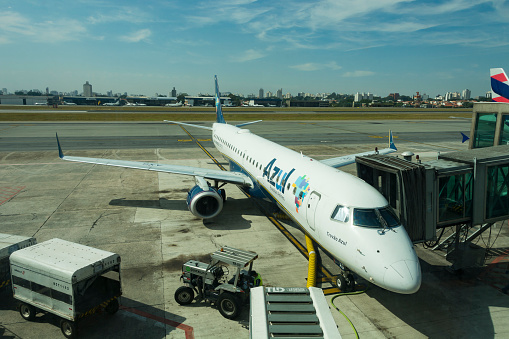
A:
(276, 176)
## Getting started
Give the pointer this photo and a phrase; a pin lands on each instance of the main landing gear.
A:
(345, 281)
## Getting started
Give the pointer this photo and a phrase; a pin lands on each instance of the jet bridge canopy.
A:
(470, 186)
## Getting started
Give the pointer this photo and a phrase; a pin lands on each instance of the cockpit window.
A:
(377, 218)
(341, 213)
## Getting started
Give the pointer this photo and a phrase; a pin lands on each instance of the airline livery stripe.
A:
(500, 88)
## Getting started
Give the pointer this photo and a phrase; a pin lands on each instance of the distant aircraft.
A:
(345, 215)
(499, 85)
(177, 104)
(116, 103)
(252, 104)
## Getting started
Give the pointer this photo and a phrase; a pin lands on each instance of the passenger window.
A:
(341, 213)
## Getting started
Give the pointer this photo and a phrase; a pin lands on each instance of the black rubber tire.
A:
(223, 194)
(27, 311)
(112, 307)
(341, 283)
(184, 295)
(228, 305)
(350, 281)
(68, 328)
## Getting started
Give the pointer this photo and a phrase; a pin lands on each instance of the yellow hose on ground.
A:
(312, 263)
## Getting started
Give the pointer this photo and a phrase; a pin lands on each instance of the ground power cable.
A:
(344, 315)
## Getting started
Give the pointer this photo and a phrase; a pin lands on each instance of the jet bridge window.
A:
(497, 200)
(484, 133)
(376, 218)
(341, 213)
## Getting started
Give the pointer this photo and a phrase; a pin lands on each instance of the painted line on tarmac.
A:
(189, 331)
(7, 193)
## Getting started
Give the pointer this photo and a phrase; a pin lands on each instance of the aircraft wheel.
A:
(223, 194)
(184, 295)
(228, 305)
(341, 283)
(350, 281)
(27, 311)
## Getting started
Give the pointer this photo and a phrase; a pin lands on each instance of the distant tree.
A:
(182, 97)
(235, 99)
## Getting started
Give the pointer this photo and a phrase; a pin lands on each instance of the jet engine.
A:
(204, 203)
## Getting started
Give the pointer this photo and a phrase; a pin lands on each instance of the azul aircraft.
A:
(342, 213)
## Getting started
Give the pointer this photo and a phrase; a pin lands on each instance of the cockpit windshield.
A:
(375, 217)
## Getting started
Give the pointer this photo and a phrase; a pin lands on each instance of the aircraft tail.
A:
(219, 111)
(499, 85)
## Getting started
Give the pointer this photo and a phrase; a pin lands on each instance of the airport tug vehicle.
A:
(69, 280)
(211, 282)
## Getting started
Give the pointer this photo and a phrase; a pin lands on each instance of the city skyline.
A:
(317, 46)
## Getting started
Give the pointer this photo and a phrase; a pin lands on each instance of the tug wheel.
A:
(228, 305)
(184, 295)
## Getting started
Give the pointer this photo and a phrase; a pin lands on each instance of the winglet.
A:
(465, 138)
(60, 153)
(219, 111)
(391, 142)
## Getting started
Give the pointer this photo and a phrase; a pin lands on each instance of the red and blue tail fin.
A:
(219, 111)
(499, 85)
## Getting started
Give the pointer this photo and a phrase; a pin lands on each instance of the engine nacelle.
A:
(204, 203)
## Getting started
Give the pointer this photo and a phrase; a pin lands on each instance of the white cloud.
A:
(140, 35)
(249, 55)
(312, 66)
(357, 74)
(124, 14)
(13, 25)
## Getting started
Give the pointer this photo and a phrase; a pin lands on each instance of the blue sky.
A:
(343, 46)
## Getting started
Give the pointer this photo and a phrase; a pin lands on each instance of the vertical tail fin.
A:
(219, 111)
(499, 85)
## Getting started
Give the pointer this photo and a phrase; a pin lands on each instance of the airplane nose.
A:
(403, 277)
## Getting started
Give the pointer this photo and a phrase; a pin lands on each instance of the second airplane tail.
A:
(499, 85)
(219, 111)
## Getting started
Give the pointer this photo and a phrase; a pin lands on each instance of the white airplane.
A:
(343, 214)
(116, 103)
(177, 104)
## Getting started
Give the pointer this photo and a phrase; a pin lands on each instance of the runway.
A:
(136, 135)
(143, 217)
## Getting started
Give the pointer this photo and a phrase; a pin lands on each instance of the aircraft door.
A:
(312, 204)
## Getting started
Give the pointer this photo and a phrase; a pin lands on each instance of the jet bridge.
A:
(467, 189)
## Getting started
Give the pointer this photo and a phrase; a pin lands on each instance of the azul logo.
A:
(301, 186)
(276, 176)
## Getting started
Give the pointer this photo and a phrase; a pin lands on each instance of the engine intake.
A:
(204, 203)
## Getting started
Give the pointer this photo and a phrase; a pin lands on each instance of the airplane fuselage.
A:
(339, 211)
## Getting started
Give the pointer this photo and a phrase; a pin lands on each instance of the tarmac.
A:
(143, 217)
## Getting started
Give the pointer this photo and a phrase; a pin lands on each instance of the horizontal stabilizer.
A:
(350, 159)
(248, 123)
(190, 125)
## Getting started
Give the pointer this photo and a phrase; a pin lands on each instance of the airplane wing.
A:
(350, 159)
(211, 174)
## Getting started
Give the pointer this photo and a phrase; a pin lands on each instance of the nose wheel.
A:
(345, 282)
